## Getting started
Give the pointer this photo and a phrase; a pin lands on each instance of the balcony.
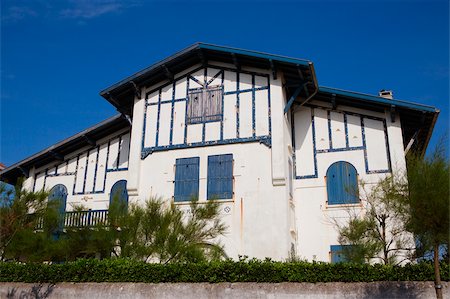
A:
(88, 218)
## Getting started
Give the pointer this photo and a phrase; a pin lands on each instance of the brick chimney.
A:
(387, 94)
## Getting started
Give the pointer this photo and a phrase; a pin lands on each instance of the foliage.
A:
(427, 207)
(378, 232)
(19, 238)
(429, 198)
(164, 233)
(129, 270)
(153, 232)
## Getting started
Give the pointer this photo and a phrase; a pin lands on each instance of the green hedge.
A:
(124, 270)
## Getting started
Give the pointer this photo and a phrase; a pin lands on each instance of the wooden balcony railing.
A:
(88, 218)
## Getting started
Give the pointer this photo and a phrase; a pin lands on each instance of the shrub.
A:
(127, 270)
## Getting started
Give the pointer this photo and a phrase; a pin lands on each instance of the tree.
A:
(428, 204)
(377, 232)
(156, 232)
(27, 224)
(162, 232)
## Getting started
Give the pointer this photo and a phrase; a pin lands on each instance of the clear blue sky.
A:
(57, 55)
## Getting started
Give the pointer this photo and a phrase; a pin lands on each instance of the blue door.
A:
(119, 191)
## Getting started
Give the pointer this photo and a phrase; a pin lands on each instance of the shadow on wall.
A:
(39, 291)
(404, 289)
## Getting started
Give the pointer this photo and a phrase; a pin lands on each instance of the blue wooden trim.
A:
(343, 149)
(346, 131)
(76, 174)
(117, 169)
(213, 78)
(223, 103)
(330, 134)
(167, 102)
(266, 140)
(60, 174)
(193, 79)
(157, 121)
(85, 171)
(388, 150)
(247, 90)
(144, 127)
(186, 113)
(106, 165)
(293, 97)
(34, 182)
(253, 107)
(45, 178)
(171, 113)
(118, 151)
(237, 104)
(96, 168)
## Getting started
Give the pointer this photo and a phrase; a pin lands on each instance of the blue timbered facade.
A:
(253, 131)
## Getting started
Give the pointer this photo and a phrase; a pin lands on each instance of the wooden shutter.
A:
(220, 177)
(342, 183)
(186, 179)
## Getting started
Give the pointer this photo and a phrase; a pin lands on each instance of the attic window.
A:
(205, 105)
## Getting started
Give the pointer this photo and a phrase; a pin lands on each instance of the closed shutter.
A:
(220, 177)
(186, 179)
(119, 192)
(337, 255)
(342, 183)
(59, 193)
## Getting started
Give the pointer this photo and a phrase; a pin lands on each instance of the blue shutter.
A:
(59, 193)
(336, 254)
(119, 190)
(186, 179)
(220, 177)
(342, 183)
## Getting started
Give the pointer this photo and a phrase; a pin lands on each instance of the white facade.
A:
(279, 202)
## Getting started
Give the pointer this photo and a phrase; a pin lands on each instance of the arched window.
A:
(119, 192)
(59, 193)
(342, 183)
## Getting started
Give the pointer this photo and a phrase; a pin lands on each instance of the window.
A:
(205, 105)
(220, 177)
(186, 179)
(337, 253)
(119, 192)
(342, 184)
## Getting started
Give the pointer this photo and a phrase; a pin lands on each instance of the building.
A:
(252, 130)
